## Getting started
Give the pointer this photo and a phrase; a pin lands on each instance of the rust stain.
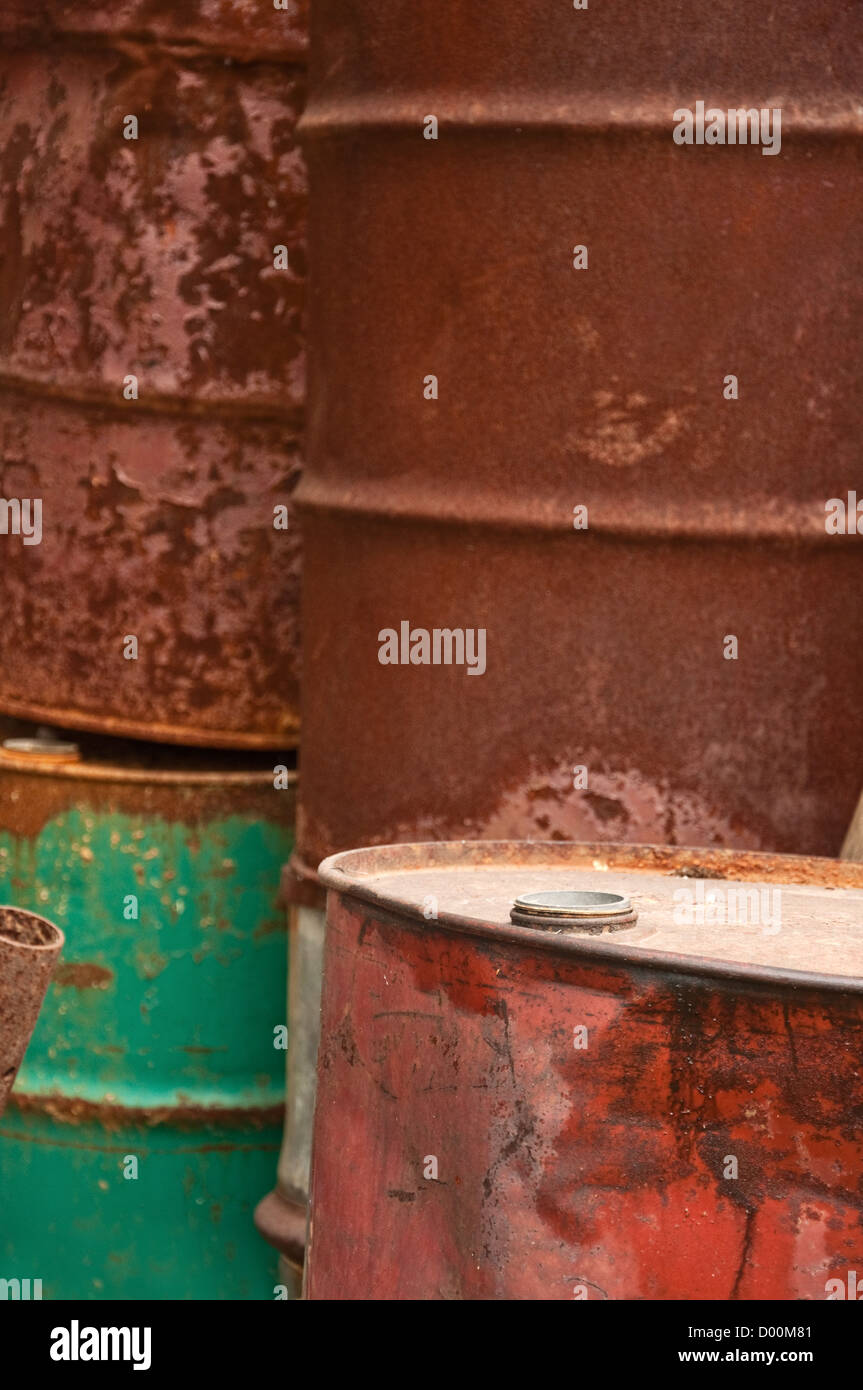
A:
(71, 1110)
(82, 975)
(269, 926)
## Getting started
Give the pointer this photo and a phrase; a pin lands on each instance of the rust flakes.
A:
(82, 975)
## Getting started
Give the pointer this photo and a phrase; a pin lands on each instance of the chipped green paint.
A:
(171, 1012)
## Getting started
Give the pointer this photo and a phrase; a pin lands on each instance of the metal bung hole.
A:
(573, 910)
(573, 904)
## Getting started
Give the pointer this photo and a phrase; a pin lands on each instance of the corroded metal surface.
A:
(158, 1039)
(600, 388)
(230, 28)
(669, 1112)
(29, 947)
(154, 258)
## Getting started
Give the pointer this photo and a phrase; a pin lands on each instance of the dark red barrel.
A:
(152, 379)
(589, 391)
(540, 1109)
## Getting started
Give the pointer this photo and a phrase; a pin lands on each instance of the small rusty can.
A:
(146, 1117)
(152, 378)
(29, 947)
(514, 1105)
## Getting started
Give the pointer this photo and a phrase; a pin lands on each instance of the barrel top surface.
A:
(772, 917)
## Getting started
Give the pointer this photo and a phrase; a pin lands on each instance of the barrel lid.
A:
(726, 912)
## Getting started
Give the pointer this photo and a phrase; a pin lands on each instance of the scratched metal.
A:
(601, 388)
(157, 1036)
(29, 947)
(152, 258)
(586, 1164)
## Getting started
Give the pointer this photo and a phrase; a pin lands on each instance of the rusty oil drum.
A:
(602, 387)
(664, 1108)
(146, 1118)
(153, 258)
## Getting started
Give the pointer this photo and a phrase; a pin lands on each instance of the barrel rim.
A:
(788, 869)
(82, 771)
(151, 731)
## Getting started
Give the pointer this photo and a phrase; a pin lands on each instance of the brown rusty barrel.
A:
(152, 262)
(510, 1109)
(587, 391)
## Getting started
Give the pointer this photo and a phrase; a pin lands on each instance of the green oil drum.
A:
(146, 1118)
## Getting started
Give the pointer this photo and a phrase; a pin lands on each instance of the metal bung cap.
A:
(50, 750)
(572, 910)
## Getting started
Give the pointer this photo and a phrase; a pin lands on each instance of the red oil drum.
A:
(556, 1071)
(152, 378)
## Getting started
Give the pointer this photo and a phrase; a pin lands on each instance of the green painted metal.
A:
(156, 1040)
(183, 1230)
